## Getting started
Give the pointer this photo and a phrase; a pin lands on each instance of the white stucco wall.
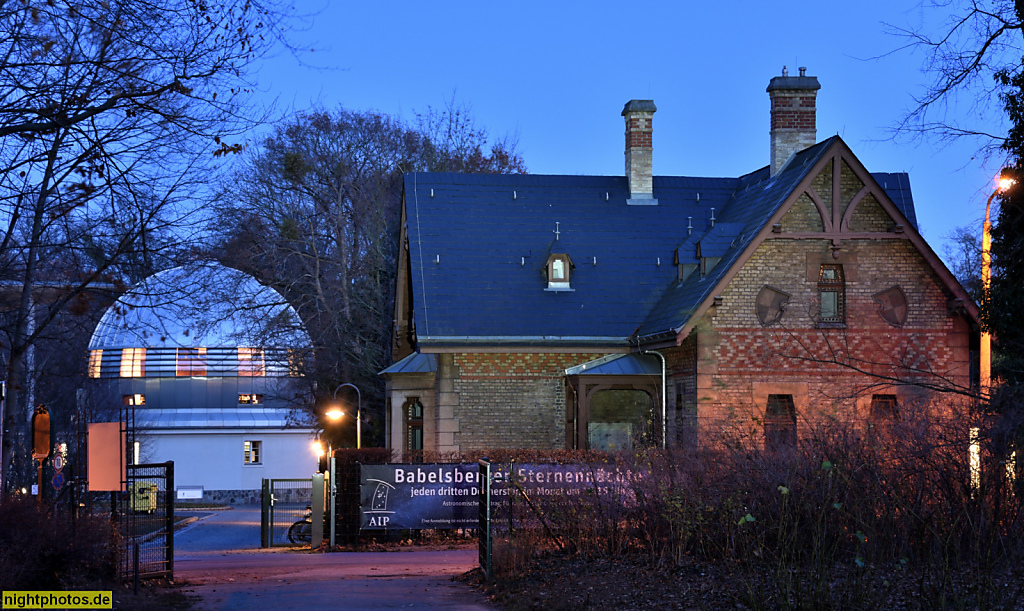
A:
(214, 459)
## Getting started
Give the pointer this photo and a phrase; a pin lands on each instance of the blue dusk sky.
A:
(557, 74)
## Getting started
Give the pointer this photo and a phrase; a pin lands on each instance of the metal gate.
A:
(285, 503)
(145, 512)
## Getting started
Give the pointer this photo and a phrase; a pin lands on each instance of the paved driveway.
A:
(218, 556)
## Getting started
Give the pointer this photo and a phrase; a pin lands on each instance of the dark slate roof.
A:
(479, 243)
(618, 364)
(897, 187)
(414, 363)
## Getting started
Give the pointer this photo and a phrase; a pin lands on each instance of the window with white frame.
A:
(559, 267)
(252, 452)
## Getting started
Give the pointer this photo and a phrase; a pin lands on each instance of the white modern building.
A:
(210, 361)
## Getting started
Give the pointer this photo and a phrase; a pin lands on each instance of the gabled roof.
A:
(478, 245)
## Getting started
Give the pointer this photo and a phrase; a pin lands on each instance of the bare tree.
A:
(112, 115)
(975, 41)
(315, 214)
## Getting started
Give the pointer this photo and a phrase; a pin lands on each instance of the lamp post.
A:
(333, 414)
(359, 410)
(985, 366)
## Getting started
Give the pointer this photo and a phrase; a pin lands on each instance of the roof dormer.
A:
(558, 269)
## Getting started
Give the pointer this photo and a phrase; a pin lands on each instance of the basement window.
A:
(558, 269)
(884, 408)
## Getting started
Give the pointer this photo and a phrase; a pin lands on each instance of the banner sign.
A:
(419, 496)
(446, 496)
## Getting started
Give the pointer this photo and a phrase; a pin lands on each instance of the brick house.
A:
(608, 312)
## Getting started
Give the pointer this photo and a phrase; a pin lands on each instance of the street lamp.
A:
(318, 448)
(333, 414)
(359, 410)
(1006, 181)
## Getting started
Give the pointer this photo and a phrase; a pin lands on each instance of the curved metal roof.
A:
(200, 305)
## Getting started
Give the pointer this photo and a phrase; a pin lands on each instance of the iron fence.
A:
(145, 514)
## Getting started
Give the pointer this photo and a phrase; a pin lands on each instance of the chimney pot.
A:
(639, 115)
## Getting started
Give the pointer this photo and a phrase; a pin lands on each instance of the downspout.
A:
(664, 398)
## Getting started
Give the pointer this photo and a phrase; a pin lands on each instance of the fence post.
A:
(334, 499)
(169, 498)
(484, 519)
(265, 514)
(317, 505)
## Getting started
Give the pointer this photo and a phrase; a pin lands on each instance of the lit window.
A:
(133, 363)
(95, 359)
(559, 267)
(780, 422)
(191, 362)
(832, 294)
(252, 452)
(251, 362)
(296, 363)
(249, 399)
(136, 399)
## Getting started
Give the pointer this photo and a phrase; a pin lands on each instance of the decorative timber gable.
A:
(839, 200)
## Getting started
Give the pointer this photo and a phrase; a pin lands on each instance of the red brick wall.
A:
(745, 359)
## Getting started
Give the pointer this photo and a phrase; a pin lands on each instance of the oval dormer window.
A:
(558, 270)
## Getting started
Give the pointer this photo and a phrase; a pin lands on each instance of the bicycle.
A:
(301, 532)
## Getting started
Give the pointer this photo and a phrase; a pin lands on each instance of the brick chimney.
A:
(793, 115)
(639, 116)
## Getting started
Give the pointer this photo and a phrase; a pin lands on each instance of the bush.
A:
(852, 517)
(40, 551)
